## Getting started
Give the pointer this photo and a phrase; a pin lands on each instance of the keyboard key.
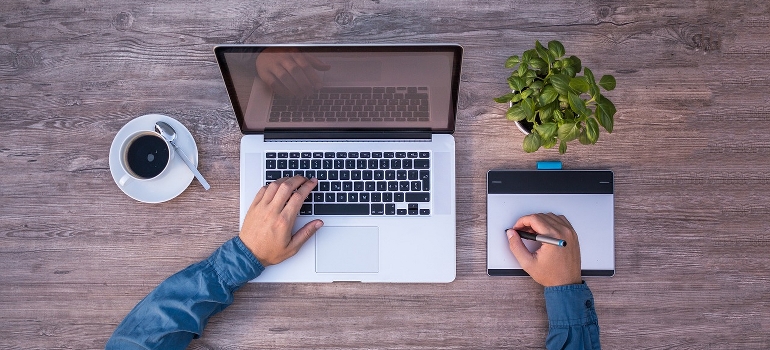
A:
(324, 186)
(372, 163)
(350, 163)
(369, 185)
(344, 174)
(293, 164)
(400, 154)
(342, 155)
(336, 186)
(401, 212)
(390, 175)
(270, 155)
(342, 197)
(315, 164)
(387, 197)
(328, 154)
(393, 186)
(366, 175)
(334, 175)
(376, 197)
(306, 209)
(347, 186)
(379, 175)
(412, 209)
(304, 164)
(318, 197)
(282, 164)
(272, 175)
(422, 163)
(398, 196)
(341, 209)
(321, 174)
(363, 197)
(417, 197)
(390, 209)
(329, 197)
(355, 175)
(424, 211)
(283, 154)
(377, 209)
(424, 154)
(294, 155)
(411, 154)
(328, 164)
(287, 173)
(403, 186)
(318, 154)
(270, 164)
(416, 186)
(352, 197)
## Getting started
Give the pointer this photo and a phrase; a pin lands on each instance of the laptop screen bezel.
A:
(455, 49)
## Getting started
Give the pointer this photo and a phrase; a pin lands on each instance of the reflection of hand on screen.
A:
(290, 72)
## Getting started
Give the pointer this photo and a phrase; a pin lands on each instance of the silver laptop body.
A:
(374, 124)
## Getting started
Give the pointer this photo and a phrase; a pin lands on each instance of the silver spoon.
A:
(169, 134)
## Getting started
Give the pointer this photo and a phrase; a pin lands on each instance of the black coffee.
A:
(147, 156)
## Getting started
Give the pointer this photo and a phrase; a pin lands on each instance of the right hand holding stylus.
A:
(549, 265)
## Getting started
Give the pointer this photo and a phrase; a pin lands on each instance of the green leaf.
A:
(589, 75)
(548, 95)
(570, 71)
(562, 147)
(512, 61)
(548, 143)
(592, 130)
(568, 131)
(607, 82)
(577, 104)
(537, 85)
(538, 63)
(556, 48)
(584, 137)
(516, 83)
(515, 113)
(531, 142)
(561, 83)
(529, 54)
(605, 119)
(543, 52)
(593, 90)
(505, 98)
(528, 107)
(558, 116)
(607, 105)
(575, 63)
(580, 84)
(526, 93)
(546, 130)
(522, 70)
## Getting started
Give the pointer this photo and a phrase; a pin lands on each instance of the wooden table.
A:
(690, 153)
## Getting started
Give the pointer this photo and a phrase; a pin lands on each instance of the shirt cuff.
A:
(235, 264)
(570, 305)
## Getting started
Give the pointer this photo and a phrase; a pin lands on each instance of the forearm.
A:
(176, 311)
(571, 317)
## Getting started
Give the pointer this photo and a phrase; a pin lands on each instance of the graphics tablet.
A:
(585, 197)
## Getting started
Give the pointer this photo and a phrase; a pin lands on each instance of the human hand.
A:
(549, 265)
(267, 227)
(290, 72)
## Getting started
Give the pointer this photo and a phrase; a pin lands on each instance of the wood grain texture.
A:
(689, 151)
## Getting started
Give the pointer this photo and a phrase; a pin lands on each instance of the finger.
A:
(272, 189)
(299, 69)
(519, 250)
(303, 234)
(308, 70)
(317, 63)
(295, 201)
(259, 196)
(284, 75)
(536, 222)
(286, 190)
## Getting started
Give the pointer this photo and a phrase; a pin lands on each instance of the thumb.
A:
(304, 233)
(519, 250)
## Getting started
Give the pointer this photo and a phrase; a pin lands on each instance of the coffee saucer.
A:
(169, 184)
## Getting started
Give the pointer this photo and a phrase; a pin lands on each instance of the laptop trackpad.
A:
(347, 249)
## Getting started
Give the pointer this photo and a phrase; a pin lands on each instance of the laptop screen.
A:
(342, 87)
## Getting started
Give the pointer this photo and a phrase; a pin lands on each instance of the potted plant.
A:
(552, 103)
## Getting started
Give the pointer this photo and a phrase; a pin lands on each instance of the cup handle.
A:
(123, 180)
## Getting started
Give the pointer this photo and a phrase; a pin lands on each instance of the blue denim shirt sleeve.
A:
(571, 317)
(176, 311)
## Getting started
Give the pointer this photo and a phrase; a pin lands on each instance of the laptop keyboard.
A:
(358, 183)
(354, 104)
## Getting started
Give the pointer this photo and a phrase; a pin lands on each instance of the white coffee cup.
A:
(144, 155)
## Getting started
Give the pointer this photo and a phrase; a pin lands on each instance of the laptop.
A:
(374, 124)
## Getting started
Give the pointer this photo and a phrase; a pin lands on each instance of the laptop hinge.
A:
(346, 135)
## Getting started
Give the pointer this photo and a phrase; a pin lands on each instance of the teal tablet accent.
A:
(549, 165)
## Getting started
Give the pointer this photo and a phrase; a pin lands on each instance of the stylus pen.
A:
(541, 238)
